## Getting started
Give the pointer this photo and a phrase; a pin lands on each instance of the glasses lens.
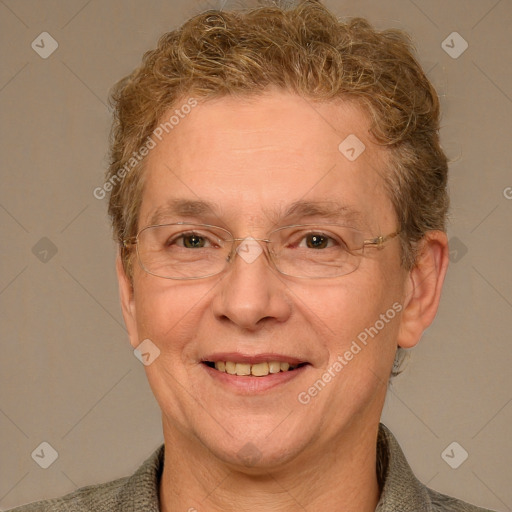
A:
(193, 251)
(317, 251)
(183, 251)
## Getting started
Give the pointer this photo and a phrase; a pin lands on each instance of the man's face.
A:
(252, 159)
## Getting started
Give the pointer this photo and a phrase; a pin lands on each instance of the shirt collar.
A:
(401, 490)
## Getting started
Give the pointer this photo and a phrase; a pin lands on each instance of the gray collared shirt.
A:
(401, 490)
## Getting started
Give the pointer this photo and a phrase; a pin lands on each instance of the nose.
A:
(251, 295)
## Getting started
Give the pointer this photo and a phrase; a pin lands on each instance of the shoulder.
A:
(128, 494)
(94, 497)
(442, 503)
(401, 490)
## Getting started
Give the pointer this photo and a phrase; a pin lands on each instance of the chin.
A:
(254, 458)
(256, 449)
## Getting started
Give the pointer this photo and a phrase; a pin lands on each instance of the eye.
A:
(189, 241)
(193, 241)
(316, 241)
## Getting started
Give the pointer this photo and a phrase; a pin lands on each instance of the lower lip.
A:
(246, 384)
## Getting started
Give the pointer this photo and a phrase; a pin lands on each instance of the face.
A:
(251, 160)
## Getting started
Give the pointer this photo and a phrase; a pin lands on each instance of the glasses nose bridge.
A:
(249, 238)
(237, 242)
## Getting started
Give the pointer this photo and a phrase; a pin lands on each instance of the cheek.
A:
(361, 315)
(167, 312)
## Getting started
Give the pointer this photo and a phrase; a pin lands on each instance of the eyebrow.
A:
(329, 210)
(183, 208)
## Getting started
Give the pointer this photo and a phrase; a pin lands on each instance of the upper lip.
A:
(237, 357)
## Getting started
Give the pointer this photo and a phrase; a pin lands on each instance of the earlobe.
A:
(423, 291)
(126, 295)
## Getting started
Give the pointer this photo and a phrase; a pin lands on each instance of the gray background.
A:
(68, 374)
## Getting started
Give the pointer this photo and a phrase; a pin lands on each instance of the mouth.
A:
(257, 369)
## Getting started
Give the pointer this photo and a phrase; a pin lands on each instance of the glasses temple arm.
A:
(127, 242)
(380, 240)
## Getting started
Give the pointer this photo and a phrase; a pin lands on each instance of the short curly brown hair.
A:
(305, 50)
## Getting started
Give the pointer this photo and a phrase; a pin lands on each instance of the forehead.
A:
(263, 158)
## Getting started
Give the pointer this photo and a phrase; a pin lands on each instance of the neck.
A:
(342, 477)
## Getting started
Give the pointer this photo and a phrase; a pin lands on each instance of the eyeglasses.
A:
(196, 251)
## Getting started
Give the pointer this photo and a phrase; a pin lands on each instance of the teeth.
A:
(259, 369)
(256, 370)
(243, 369)
(274, 367)
(230, 367)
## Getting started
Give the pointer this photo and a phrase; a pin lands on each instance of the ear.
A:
(423, 289)
(127, 302)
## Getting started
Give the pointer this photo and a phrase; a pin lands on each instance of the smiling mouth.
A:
(253, 370)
